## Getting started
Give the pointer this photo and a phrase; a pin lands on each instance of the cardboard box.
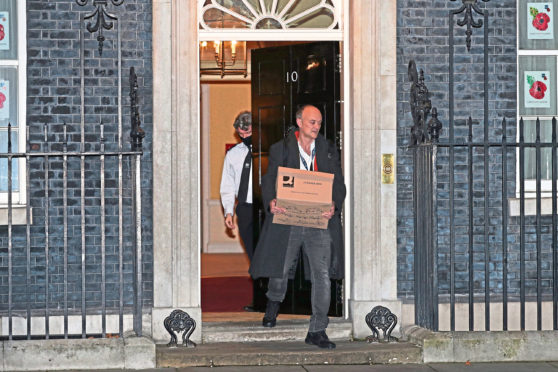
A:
(305, 195)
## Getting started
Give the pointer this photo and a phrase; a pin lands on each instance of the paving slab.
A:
(435, 367)
(122, 370)
(494, 367)
(244, 369)
(286, 353)
(372, 368)
(449, 367)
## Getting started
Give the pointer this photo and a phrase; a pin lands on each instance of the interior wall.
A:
(226, 100)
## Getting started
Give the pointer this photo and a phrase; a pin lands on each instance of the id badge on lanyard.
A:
(311, 160)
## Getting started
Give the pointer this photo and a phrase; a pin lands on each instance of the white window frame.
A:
(19, 198)
(531, 183)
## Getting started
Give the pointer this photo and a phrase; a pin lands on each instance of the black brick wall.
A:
(422, 35)
(53, 97)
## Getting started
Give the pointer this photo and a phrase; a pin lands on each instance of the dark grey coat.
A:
(269, 257)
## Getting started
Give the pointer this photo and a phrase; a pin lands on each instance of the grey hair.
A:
(243, 120)
(301, 109)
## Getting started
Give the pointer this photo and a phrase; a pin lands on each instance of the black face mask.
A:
(247, 141)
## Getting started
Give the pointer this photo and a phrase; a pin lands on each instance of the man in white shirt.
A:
(236, 182)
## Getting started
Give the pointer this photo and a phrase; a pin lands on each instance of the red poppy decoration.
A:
(2, 34)
(540, 20)
(538, 88)
(2, 100)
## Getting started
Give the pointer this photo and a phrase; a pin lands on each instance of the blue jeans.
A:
(316, 244)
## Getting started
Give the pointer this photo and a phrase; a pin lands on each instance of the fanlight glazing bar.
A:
(256, 19)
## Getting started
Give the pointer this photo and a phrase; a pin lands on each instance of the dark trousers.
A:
(316, 244)
(245, 218)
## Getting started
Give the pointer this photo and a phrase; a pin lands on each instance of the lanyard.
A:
(311, 159)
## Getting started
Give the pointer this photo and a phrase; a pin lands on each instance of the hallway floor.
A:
(215, 265)
(224, 264)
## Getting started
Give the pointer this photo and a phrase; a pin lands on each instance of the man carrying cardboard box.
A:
(278, 248)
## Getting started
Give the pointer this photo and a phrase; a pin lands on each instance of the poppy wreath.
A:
(537, 88)
(540, 19)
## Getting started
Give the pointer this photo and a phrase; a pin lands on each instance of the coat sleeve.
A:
(339, 191)
(269, 180)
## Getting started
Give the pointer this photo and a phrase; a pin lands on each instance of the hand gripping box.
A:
(305, 195)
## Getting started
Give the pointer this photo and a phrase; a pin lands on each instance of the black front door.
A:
(284, 79)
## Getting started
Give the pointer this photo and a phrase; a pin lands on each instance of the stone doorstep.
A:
(286, 353)
(495, 346)
(285, 330)
(250, 344)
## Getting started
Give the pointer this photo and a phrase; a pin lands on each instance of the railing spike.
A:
(553, 130)
(65, 139)
(9, 138)
(470, 124)
(102, 138)
(538, 130)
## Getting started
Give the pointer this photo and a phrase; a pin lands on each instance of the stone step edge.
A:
(282, 332)
(257, 326)
(277, 328)
(408, 354)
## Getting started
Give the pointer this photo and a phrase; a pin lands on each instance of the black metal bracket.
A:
(381, 318)
(101, 22)
(180, 321)
(468, 19)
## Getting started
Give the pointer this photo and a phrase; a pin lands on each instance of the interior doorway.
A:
(226, 286)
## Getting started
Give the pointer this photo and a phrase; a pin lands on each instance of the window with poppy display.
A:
(537, 81)
(536, 86)
(12, 95)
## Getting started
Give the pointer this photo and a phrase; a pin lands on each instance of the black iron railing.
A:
(75, 269)
(484, 241)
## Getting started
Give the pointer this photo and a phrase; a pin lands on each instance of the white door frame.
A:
(305, 35)
(370, 126)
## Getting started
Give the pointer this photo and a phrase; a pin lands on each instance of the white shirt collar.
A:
(307, 158)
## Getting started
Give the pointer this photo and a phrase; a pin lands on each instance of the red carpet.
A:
(225, 294)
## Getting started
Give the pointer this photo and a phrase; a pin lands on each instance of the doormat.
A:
(226, 294)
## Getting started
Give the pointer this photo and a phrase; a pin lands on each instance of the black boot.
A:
(319, 339)
(271, 310)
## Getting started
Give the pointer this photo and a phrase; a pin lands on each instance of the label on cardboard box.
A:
(305, 195)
